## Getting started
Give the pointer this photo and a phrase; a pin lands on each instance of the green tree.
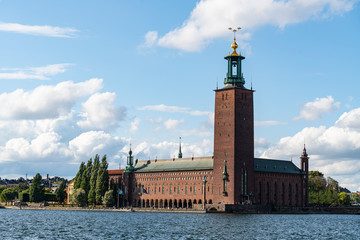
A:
(8, 195)
(85, 179)
(108, 199)
(78, 176)
(37, 192)
(102, 181)
(93, 178)
(79, 197)
(60, 193)
(21, 187)
(344, 199)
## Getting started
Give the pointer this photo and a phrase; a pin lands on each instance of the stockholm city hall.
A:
(232, 176)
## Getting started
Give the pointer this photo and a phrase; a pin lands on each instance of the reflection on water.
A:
(44, 224)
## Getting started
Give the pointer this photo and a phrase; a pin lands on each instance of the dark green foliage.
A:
(8, 194)
(24, 196)
(102, 181)
(93, 178)
(108, 198)
(78, 176)
(60, 193)
(325, 192)
(50, 197)
(344, 199)
(21, 187)
(85, 179)
(37, 189)
(79, 197)
(2, 188)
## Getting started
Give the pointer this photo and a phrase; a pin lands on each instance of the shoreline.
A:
(242, 210)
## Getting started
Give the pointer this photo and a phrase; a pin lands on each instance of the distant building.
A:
(231, 176)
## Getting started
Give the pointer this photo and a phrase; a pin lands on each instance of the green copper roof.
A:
(279, 166)
(177, 164)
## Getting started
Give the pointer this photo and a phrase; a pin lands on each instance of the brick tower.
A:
(234, 180)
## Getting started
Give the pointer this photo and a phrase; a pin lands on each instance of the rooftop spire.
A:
(180, 153)
(234, 76)
(234, 44)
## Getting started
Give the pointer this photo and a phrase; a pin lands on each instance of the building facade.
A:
(231, 176)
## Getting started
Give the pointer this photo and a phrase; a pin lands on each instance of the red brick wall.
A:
(279, 189)
(185, 180)
(233, 142)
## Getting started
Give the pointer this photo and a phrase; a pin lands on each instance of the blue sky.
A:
(86, 77)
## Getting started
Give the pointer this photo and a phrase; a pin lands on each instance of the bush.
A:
(108, 198)
(24, 196)
(79, 197)
(8, 194)
(50, 197)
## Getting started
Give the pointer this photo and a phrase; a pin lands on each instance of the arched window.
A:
(163, 189)
(170, 188)
(194, 188)
(290, 195)
(155, 188)
(186, 189)
(275, 193)
(178, 190)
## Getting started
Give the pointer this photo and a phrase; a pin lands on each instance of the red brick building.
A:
(231, 176)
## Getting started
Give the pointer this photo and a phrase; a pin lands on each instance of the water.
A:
(45, 224)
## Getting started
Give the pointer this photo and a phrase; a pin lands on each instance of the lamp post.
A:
(204, 181)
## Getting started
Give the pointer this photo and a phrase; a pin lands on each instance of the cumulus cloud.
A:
(134, 125)
(207, 21)
(334, 150)
(43, 146)
(39, 30)
(314, 110)
(100, 112)
(166, 149)
(172, 123)
(95, 142)
(45, 101)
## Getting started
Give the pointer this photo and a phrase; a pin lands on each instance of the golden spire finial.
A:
(234, 45)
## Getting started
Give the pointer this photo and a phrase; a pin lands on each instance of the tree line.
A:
(326, 191)
(91, 183)
(35, 193)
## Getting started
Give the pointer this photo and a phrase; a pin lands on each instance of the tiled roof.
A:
(175, 164)
(115, 172)
(276, 166)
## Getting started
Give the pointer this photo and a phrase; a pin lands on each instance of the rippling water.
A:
(44, 224)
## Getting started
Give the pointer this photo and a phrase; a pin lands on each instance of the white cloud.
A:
(164, 108)
(135, 125)
(95, 142)
(100, 112)
(334, 150)
(43, 30)
(314, 110)
(39, 148)
(349, 119)
(45, 101)
(166, 149)
(174, 109)
(268, 123)
(41, 73)
(211, 18)
(172, 123)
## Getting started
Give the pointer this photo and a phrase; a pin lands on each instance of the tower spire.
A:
(180, 153)
(234, 76)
